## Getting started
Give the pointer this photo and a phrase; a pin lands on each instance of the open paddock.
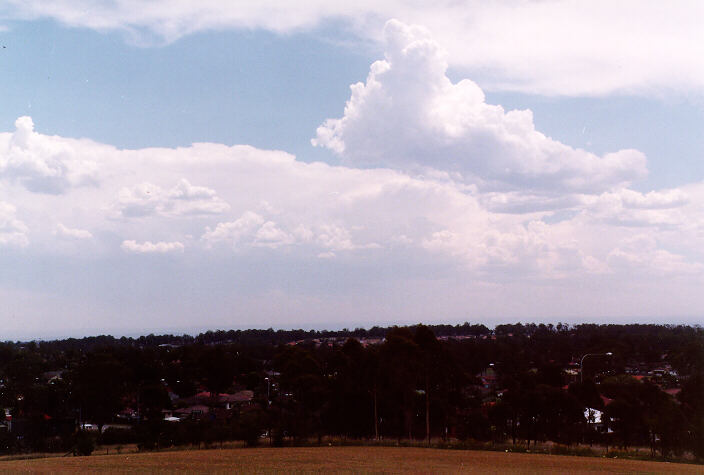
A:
(342, 459)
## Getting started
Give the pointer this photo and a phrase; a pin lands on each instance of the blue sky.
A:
(231, 87)
(431, 202)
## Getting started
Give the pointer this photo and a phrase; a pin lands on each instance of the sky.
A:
(178, 166)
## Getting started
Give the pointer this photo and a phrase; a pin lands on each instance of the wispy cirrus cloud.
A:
(557, 47)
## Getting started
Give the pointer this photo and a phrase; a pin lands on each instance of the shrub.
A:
(113, 436)
(84, 443)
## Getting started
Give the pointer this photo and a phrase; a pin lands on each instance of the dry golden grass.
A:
(341, 459)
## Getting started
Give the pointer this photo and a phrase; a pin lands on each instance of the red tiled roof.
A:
(190, 409)
(239, 396)
(204, 397)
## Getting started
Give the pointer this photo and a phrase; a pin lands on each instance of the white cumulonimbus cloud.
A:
(251, 199)
(351, 224)
(464, 196)
(459, 179)
(557, 47)
(409, 113)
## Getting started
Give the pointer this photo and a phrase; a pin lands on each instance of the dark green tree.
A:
(98, 385)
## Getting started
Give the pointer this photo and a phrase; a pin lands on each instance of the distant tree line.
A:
(468, 382)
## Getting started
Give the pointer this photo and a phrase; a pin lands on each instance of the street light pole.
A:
(268, 404)
(581, 363)
(268, 391)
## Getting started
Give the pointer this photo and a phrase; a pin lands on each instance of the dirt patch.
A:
(342, 459)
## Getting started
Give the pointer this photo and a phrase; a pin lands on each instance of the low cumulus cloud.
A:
(71, 233)
(252, 230)
(149, 247)
(13, 232)
(146, 199)
(631, 208)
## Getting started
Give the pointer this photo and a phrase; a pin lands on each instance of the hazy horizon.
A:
(195, 330)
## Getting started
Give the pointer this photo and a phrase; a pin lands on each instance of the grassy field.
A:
(342, 459)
